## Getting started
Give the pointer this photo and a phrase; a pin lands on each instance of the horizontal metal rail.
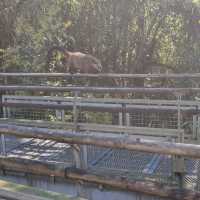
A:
(100, 107)
(176, 91)
(160, 102)
(101, 75)
(110, 141)
(99, 128)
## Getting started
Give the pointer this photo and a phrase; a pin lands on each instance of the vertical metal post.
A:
(123, 116)
(63, 115)
(120, 119)
(79, 152)
(3, 141)
(127, 119)
(84, 163)
(124, 122)
(198, 177)
(76, 148)
(4, 108)
(194, 127)
(77, 157)
(81, 161)
(179, 112)
(181, 134)
(60, 114)
(75, 111)
(179, 164)
(198, 129)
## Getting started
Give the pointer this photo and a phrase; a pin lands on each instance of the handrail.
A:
(101, 75)
(110, 141)
(149, 90)
(102, 100)
(99, 128)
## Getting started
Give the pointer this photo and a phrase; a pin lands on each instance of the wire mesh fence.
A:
(155, 119)
(129, 164)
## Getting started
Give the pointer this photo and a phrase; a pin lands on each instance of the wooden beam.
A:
(109, 141)
(97, 89)
(101, 75)
(52, 169)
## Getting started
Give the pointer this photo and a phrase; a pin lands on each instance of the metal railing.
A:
(118, 148)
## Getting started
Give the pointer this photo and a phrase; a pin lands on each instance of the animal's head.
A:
(57, 58)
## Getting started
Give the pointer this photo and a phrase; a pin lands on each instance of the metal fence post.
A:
(124, 117)
(76, 148)
(194, 127)
(179, 162)
(3, 141)
(198, 129)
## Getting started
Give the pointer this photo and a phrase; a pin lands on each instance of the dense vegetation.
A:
(128, 36)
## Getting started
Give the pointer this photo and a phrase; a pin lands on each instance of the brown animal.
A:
(76, 62)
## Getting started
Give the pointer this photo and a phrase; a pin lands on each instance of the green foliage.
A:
(127, 36)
